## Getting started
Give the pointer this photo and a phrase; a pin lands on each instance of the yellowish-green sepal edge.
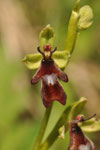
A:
(92, 125)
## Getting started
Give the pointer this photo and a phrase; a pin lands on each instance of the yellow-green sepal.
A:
(61, 58)
(91, 125)
(32, 61)
(47, 37)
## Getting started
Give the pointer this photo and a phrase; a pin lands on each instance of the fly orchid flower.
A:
(49, 73)
(78, 141)
(48, 63)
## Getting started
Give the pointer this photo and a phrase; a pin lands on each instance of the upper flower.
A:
(49, 73)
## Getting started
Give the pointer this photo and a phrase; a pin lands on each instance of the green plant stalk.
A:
(73, 29)
(55, 133)
(42, 128)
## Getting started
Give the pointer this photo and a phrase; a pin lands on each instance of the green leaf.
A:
(47, 37)
(32, 61)
(77, 108)
(86, 17)
(61, 58)
(91, 125)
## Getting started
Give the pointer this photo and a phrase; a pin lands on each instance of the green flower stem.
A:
(42, 128)
(55, 133)
(73, 29)
(74, 109)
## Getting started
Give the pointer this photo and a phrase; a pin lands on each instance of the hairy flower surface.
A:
(49, 73)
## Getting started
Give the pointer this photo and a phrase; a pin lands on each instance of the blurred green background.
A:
(21, 108)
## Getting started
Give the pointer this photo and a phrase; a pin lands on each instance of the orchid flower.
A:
(49, 73)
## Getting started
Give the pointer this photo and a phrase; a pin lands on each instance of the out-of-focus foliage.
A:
(21, 109)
